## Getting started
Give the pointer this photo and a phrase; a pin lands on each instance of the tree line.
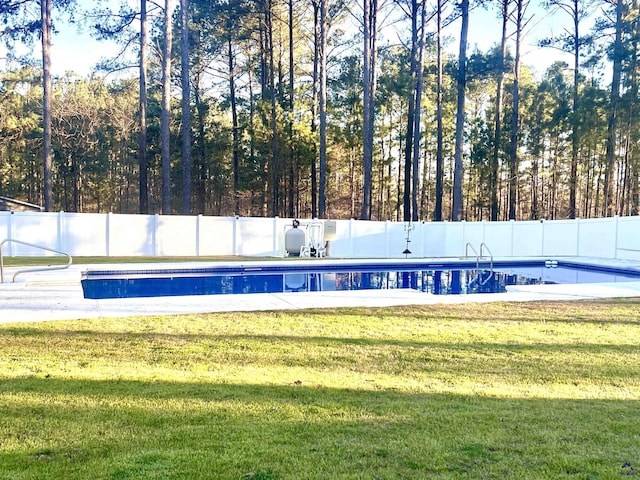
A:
(325, 108)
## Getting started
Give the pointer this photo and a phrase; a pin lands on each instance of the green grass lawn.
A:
(494, 391)
(60, 260)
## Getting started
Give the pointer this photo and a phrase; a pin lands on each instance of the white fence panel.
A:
(474, 236)
(597, 237)
(527, 239)
(454, 239)
(371, 238)
(396, 240)
(433, 239)
(131, 235)
(150, 235)
(176, 236)
(83, 234)
(628, 238)
(341, 246)
(5, 225)
(215, 236)
(255, 236)
(560, 238)
(37, 228)
(498, 236)
(417, 244)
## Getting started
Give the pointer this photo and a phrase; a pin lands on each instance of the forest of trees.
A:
(325, 108)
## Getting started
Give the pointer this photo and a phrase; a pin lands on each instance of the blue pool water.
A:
(442, 278)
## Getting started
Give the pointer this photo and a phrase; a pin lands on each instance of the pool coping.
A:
(57, 295)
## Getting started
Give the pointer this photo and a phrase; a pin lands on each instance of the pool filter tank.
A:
(294, 240)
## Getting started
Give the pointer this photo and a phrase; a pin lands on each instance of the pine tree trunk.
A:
(322, 100)
(497, 132)
(575, 133)
(47, 151)
(408, 148)
(314, 103)
(142, 120)
(165, 115)
(618, 50)
(293, 187)
(186, 107)
(369, 86)
(437, 214)
(416, 116)
(456, 210)
(275, 154)
(201, 193)
(234, 129)
(515, 118)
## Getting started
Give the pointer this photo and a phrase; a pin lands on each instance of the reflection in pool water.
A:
(436, 281)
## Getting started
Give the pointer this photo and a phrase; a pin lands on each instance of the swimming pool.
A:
(441, 277)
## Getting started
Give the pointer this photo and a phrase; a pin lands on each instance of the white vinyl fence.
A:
(91, 234)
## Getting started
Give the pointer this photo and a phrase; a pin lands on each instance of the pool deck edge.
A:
(57, 295)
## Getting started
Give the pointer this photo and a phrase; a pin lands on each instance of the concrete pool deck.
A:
(57, 295)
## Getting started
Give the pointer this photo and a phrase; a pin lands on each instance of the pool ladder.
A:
(37, 269)
(483, 246)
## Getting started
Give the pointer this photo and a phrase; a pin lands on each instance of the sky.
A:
(77, 51)
(485, 31)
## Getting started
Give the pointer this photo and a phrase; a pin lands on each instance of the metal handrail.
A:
(26, 270)
(482, 247)
(466, 254)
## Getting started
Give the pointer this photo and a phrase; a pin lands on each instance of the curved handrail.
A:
(482, 247)
(466, 254)
(38, 269)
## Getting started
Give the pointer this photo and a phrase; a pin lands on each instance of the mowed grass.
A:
(61, 260)
(494, 391)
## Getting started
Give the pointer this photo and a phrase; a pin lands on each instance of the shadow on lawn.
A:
(608, 364)
(596, 311)
(322, 341)
(309, 432)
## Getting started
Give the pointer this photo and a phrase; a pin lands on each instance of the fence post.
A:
(107, 235)
(513, 231)
(386, 238)
(275, 236)
(198, 217)
(59, 231)
(464, 234)
(234, 249)
(577, 237)
(484, 235)
(10, 233)
(351, 237)
(615, 240)
(154, 234)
